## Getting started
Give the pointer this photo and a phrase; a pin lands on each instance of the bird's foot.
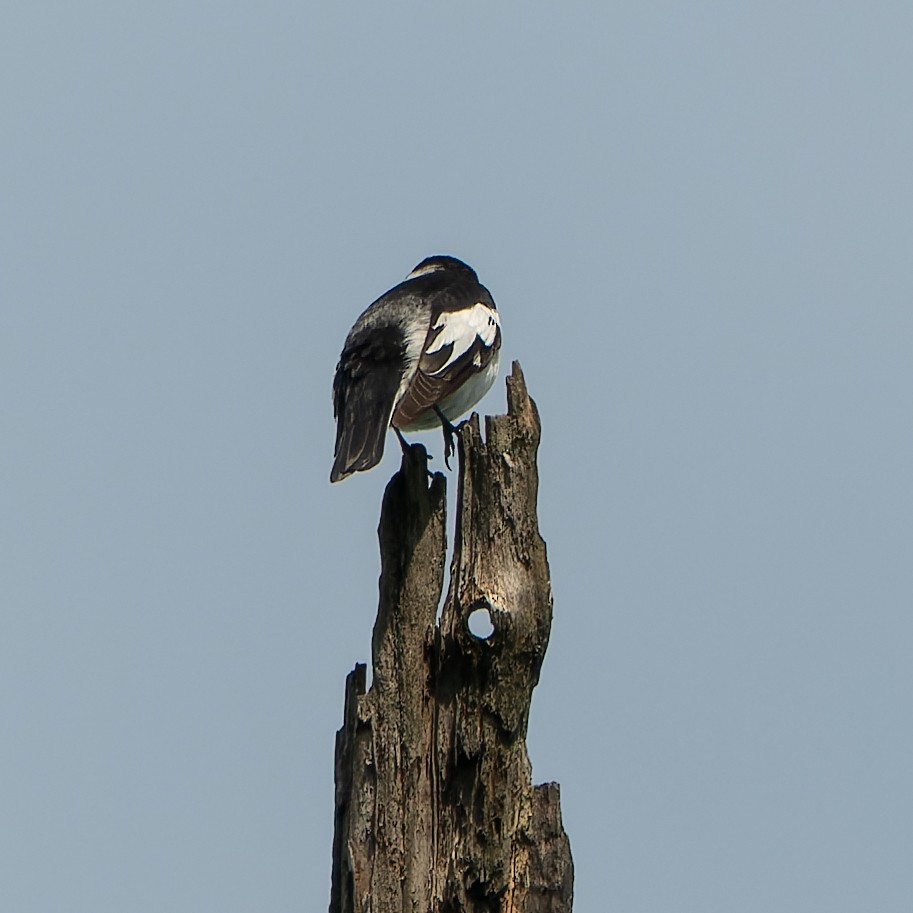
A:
(450, 431)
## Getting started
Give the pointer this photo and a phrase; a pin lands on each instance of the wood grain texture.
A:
(435, 808)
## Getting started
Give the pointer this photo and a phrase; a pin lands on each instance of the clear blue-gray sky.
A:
(697, 221)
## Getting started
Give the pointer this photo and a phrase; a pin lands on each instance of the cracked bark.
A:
(435, 808)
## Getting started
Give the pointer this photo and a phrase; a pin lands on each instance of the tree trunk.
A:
(435, 809)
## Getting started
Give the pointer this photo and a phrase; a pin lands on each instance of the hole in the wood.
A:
(480, 624)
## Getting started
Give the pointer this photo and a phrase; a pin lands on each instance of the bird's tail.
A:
(362, 420)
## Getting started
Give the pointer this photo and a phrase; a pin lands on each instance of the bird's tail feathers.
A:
(360, 432)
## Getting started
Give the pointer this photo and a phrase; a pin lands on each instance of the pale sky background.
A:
(697, 222)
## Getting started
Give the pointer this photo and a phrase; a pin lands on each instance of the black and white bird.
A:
(420, 356)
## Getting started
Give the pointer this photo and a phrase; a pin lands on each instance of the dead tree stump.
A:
(435, 809)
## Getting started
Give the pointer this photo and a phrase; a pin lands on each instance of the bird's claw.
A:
(450, 431)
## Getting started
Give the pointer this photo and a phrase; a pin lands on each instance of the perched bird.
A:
(420, 356)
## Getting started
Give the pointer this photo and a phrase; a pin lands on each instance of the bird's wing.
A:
(459, 343)
(367, 379)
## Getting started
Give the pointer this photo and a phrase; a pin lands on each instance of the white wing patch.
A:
(460, 329)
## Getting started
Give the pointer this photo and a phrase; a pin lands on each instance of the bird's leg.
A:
(402, 441)
(449, 435)
(407, 447)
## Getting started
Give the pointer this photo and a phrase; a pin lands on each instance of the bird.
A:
(422, 355)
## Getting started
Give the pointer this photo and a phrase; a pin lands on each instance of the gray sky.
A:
(697, 221)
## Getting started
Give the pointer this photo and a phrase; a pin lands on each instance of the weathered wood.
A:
(435, 809)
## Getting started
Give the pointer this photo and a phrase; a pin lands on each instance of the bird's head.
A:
(440, 263)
